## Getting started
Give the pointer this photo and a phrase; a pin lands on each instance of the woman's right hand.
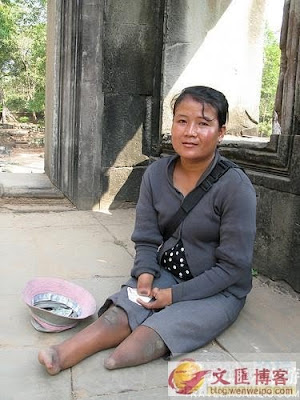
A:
(144, 284)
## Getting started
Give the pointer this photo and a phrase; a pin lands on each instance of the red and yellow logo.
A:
(187, 377)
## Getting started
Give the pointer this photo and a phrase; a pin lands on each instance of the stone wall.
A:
(274, 168)
(74, 100)
(103, 97)
(131, 85)
(112, 68)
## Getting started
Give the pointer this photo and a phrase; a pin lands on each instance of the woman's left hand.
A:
(162, 298)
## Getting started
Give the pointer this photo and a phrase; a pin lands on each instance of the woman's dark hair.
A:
(205, 95)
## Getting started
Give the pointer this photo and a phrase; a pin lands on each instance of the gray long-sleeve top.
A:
(218, 234)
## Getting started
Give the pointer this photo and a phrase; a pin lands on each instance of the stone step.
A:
(28, 186)
(34, 205)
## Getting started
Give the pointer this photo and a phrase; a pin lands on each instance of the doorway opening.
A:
(268, 121)
(22, 85)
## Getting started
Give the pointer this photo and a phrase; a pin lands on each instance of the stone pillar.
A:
(131, 86)
(74, 105)
(103, 97)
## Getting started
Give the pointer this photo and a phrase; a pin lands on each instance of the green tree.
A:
(23, 59)
(7, 34)
(7, 45)
(269, 82)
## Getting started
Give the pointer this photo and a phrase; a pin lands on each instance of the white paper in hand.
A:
(133, 296)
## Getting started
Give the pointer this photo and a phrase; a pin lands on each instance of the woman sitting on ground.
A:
(199, 277)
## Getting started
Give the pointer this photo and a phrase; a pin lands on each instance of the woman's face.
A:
(196, 131)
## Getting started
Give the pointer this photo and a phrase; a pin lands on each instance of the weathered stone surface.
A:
(136, 12)
(21, 377)
(73, 145)
(269, 321)
(123, 131)
(129, 58)
(142, 381)
(97, 50)
(131, 46)
(254, 333)
(113, 67)
(28, 185)
(117, 193)
(277, 249)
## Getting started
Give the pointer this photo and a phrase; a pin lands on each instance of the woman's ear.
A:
(222, 132)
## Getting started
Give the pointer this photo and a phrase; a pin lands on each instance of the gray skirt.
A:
(183, 326)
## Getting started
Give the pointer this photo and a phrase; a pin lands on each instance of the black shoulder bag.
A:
(196, 195)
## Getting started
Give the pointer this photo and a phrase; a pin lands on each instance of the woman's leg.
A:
(108, 331)
(141, 346)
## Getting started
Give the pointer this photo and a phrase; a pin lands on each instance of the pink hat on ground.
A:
(56, 304)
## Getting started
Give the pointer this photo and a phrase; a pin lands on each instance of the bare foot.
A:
(50, 359)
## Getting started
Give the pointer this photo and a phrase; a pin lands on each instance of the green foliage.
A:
(23, 120)
(8, 45)
(23, 54)
(16, 103)
(269, 82)
(254, 272)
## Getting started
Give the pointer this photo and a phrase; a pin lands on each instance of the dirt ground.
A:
(21, 149)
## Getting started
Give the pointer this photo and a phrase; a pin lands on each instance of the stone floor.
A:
(22, 161)
(43, 236)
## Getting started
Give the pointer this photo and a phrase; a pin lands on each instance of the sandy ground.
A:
(28, 160)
